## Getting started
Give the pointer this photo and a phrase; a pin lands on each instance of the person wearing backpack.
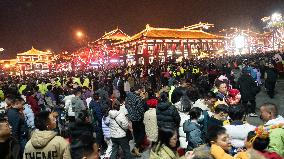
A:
(193, 129)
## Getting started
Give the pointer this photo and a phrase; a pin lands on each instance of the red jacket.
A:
(34, 105)
(270, 155)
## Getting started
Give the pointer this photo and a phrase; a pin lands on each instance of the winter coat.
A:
(105, 127)
(77, 105)
(10, 149)
(29, 116)
(33, 103)
(247, 87)
(45, 144)
(150, 122)
(276, 136)
(194, 135)
(97, 111)
(271, 75)
(167, 115)
(163, 152)
(238, 137)
(18, 124)
(117, 117)
(183, 117)
(135, 106)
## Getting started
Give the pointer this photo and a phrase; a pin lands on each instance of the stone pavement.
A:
(262, 97)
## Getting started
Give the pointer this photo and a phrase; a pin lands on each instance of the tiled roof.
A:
(151, 32)
(116, 34)
(34, 51)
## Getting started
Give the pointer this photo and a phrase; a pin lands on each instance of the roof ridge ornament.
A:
(148, 27)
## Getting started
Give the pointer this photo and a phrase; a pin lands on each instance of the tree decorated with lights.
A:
(275, 24)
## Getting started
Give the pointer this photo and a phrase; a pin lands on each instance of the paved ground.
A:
(261, 98)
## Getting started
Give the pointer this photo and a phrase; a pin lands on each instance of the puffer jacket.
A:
(117, 117)
(167, 115)
(238, 137)
(150, 122)
(45, 144)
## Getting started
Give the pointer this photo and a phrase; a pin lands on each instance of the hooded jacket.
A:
(45, 144)
(167, 115)
(117, 117)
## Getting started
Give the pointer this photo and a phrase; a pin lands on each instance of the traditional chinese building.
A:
(162, 44)
(34, 60)
(99, 51)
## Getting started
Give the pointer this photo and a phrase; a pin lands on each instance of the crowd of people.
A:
(191, 109)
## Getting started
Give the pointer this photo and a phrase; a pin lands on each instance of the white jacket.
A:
(200, 104)
(68, 104)
(275, 121)
(183, 117)
(117, 117)
(238, 133)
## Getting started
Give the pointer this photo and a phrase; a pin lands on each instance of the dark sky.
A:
(50, 24)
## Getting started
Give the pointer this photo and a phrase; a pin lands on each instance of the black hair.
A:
(193, 93)
(82, 115)
(219, 82)
(163, 97)
(259, 144)
(221, 108)
(84, 147)
(180, 95)
(77, 91)
(41, 120)
(49, 87)
(195, 113)
(165, 134)
(177, 94)
(236, 112)
(151, 94)
(116, 105)
(210, 95)
(214, 132)
(96, 96)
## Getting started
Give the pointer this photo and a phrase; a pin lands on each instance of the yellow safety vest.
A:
(22, 88)
(86, 82)
(1, 95)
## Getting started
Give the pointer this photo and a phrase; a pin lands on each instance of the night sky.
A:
(50, 24)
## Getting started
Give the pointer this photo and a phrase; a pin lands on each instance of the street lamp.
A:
(1, 49)
(79, 34)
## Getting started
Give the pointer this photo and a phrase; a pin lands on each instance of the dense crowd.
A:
(191, 109)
